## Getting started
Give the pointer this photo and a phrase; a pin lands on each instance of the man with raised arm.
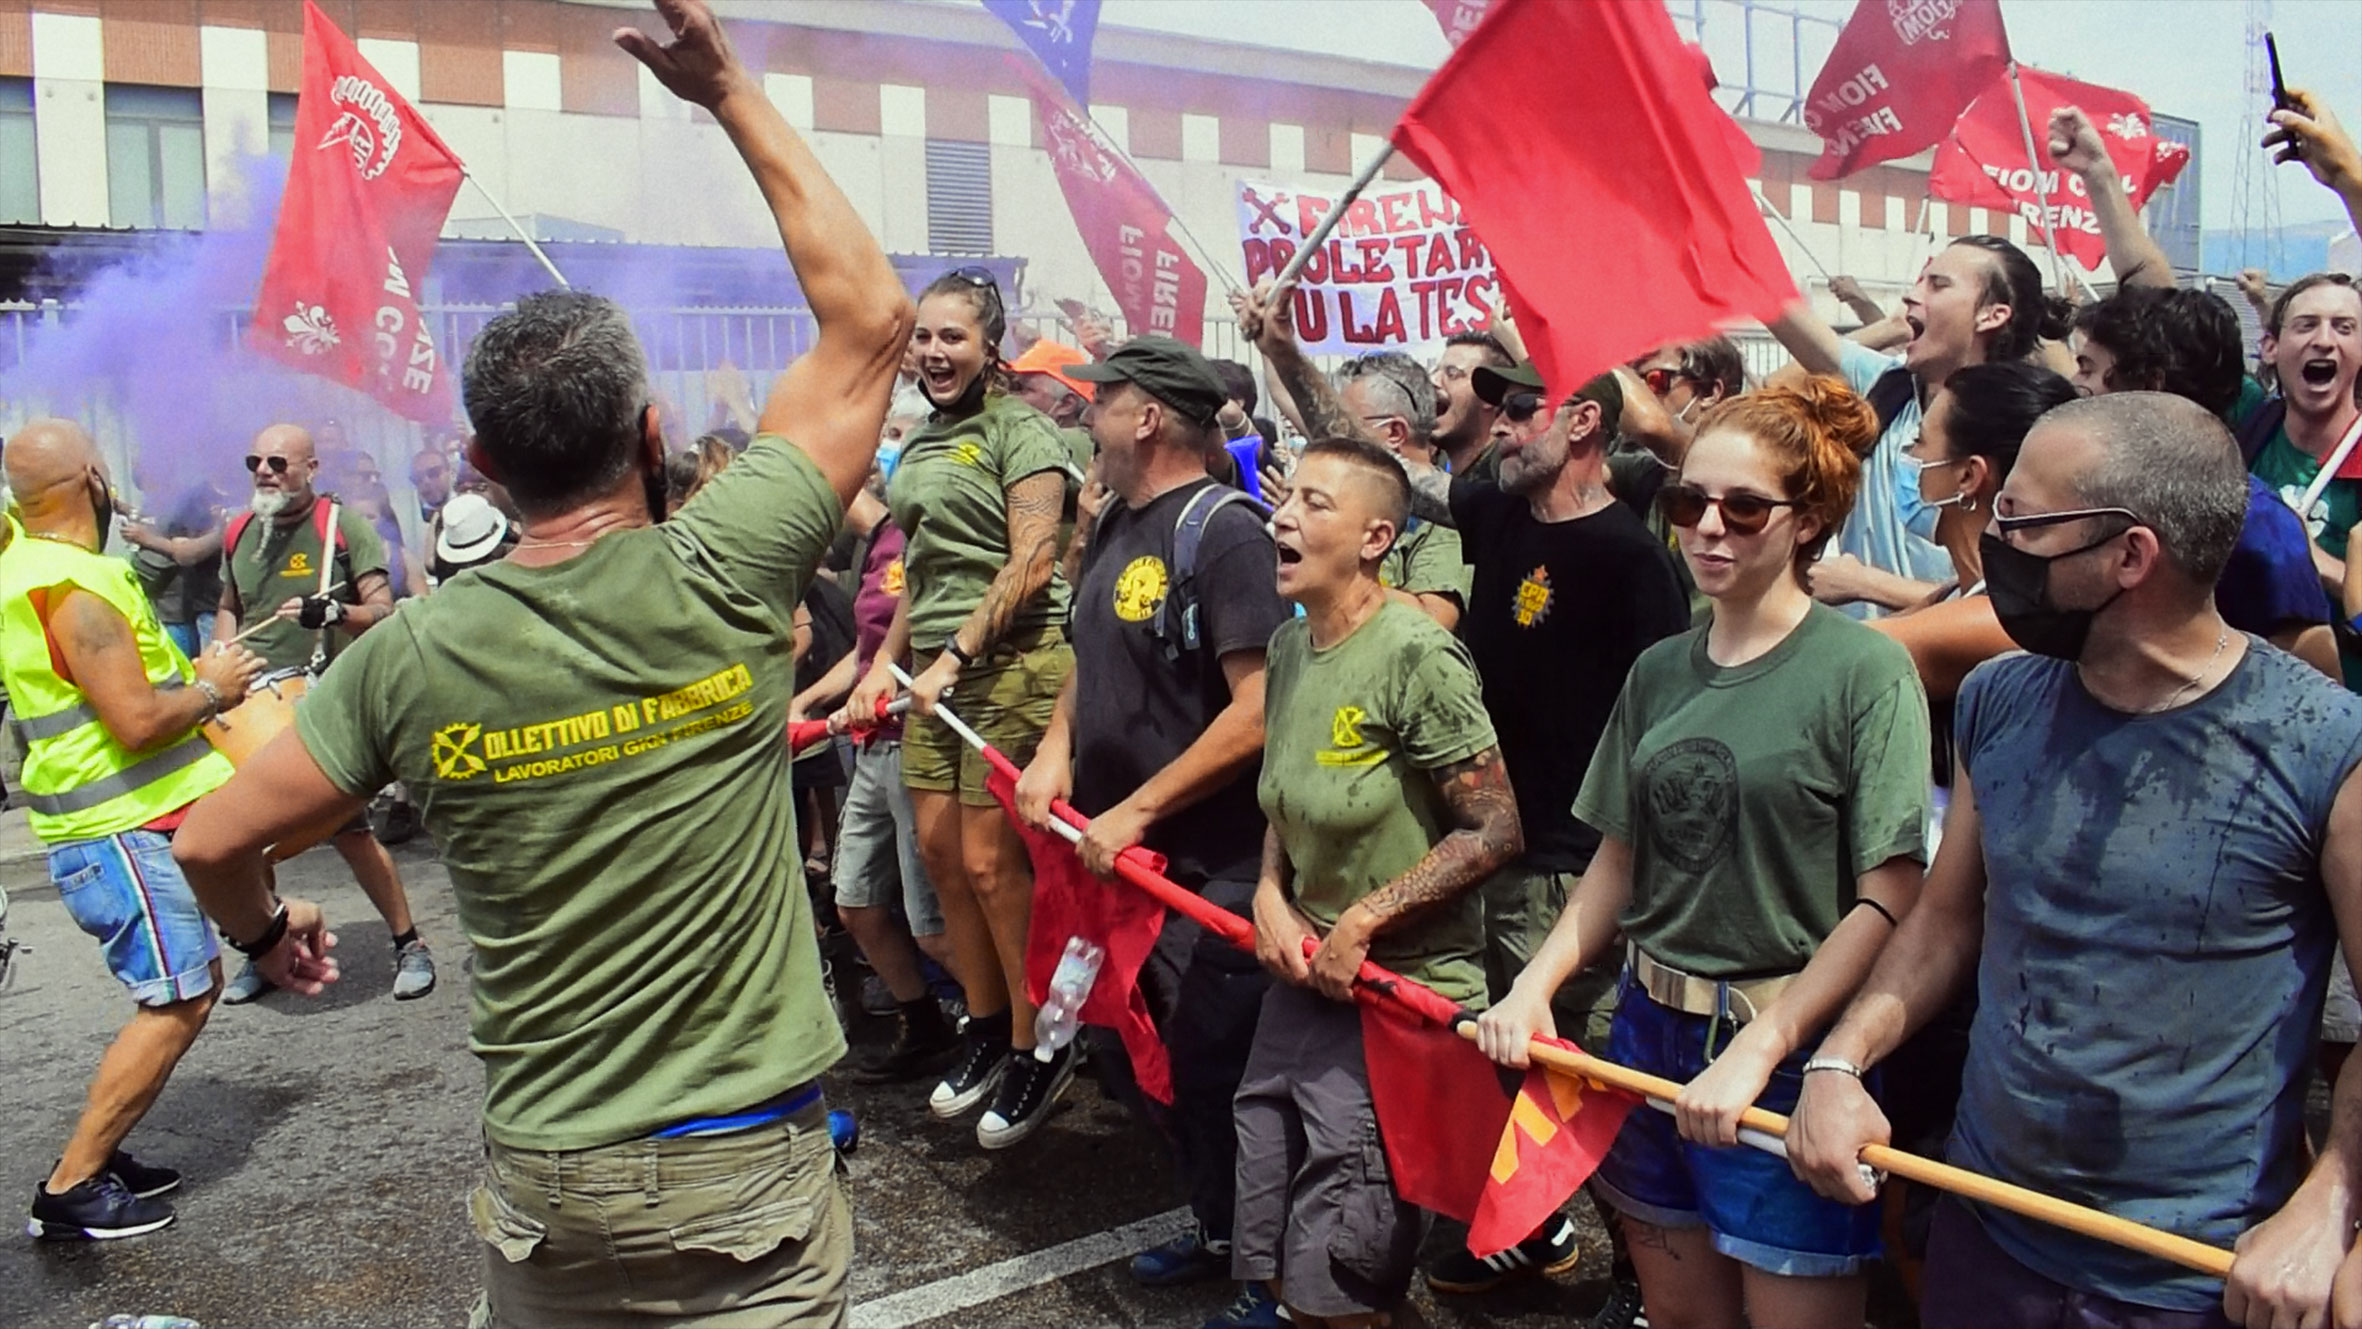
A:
(603, 771)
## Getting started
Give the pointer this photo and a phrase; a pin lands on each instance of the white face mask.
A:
(1683, 414)
(1918, 467)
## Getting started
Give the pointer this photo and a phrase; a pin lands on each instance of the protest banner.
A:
(1402, 268)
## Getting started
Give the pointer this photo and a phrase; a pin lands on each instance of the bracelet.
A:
(212, 700)
(271, 936)
(1866, 902)
(952, 649)
(1838, 1064)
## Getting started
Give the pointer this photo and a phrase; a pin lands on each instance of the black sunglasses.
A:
(1685, 506)
(255, 463)
(1519, 407)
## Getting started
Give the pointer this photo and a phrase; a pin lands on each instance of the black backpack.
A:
(1175, 624)
(1894, 390)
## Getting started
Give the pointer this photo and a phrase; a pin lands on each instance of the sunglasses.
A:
(255, 463)
(1685, 506)
(1519, 407)
(1660, 381)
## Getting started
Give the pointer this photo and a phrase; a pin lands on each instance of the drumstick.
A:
(268, 621)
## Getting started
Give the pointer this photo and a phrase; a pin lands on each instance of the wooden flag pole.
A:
(1976, 1186)
(1320, 233)
(1774, 213)
(2034, 165)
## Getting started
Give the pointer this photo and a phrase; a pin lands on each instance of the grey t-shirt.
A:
(2157, 941)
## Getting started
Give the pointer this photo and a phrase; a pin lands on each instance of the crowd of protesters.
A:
(1940, 747)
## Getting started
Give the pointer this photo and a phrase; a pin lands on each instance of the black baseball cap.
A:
(1168, 370)
(1493, 385)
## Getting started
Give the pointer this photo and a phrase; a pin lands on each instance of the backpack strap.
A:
(1893, 390)
(237, 528)
(1176, 615)
(2258, 428)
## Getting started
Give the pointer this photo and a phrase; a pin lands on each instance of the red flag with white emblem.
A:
(367, 192)
(1902, 71)
(1124, 223)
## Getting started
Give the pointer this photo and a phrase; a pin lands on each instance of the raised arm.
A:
(1809, 338)
(1857, 301)
(2075, 144)
(1485, 836)
(2310, 133)
(832, 400)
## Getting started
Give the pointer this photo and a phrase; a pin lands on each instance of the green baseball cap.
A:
(1168, 370)
(1493, 385)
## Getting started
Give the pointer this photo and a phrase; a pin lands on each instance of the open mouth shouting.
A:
(2319, 372)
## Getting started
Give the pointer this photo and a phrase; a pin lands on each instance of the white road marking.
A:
(976, 1287)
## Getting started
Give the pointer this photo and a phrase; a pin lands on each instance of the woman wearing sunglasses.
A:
(1762, 796)
(979, 491)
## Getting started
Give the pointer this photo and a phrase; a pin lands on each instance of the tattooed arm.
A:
(1268, 318)
(1485, 836)
(1034, 504)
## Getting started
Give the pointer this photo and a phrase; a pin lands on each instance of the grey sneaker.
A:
(414, 971)
(248, 985)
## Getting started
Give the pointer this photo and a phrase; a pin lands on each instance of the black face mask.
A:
(2019, 586)
(102, 506)
(652, 477)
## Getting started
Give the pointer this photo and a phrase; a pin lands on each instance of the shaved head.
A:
(59, 482)
(293, 442)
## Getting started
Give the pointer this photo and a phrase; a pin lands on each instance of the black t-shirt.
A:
(1558, 613)
(1134, 710)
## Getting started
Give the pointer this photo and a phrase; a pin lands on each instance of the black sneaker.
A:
(141, 1180)
(979, 1073)
(1548, 1252)
(1623, 1308)
(1027, 1093)
(99, 1209)
(923, 1042)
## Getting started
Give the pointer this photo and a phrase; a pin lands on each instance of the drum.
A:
(268, 711)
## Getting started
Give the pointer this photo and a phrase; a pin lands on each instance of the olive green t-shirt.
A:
(273, 564)
(1352, 735)
(2291, 470)
(1427, 561)
(950, 496)
(1754, 797)
(597, 749)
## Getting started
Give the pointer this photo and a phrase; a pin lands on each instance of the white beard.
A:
(268, 503)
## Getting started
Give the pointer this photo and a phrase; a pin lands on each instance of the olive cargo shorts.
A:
(1007, 698)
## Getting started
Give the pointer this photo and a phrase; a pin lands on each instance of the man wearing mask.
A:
(109, 708)
(2097, 907)
(298, 591)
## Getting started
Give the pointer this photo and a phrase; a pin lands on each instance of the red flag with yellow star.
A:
(1559, 1128)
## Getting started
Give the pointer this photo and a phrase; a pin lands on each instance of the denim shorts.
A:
(878, 845)
(1758, 1212)
(126, 891)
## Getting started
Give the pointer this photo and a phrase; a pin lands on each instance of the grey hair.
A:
(1404, 388)
(2173, 462)
(556, 389)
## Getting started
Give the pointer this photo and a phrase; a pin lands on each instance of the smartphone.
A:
(2280, 98)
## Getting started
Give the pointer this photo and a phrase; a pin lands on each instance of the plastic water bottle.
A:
(1054, 1025)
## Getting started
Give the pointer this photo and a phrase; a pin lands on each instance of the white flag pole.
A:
(1320, 233)
(514, 225)
(2034, 164)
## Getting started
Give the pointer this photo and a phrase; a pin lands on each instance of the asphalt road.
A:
(329, 1145)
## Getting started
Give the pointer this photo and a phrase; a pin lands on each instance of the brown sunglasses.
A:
(1685, 506)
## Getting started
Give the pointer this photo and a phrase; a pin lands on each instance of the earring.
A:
(1968, 503)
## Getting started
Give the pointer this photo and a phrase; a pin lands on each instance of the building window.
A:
(282, 130)
(155, 157)
(20, 174)
(959, 197)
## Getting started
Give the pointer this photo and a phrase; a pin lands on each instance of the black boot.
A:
(923, 1042)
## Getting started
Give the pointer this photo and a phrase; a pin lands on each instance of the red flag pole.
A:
(1320, 233)
(1763, 1130)
(2034, 164)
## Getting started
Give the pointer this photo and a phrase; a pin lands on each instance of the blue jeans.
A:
(190, 637)
(126, 891)
(1756, 1209)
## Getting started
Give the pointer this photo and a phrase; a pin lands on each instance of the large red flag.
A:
(1069, 902)
(1615, 203)
(1558, 1131)
(1902, 71)
(1124, 223)
(366, 196)
(1984, 163)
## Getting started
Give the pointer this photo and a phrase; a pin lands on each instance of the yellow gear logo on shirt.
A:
(1347, 747)
(1533, 598)
(299, 564)
(451, 751)
(1140, 589)
(967, 452)
(891, 580)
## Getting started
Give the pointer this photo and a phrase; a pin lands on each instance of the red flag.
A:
(1125, 225)
(1557, 1132)
(1615, 204)
(366, 195)
(1902, 71)
(1459, 17)
(1984, 163)
(1069, 902)
(1440, 1105)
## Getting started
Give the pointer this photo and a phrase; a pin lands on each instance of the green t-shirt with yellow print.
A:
(950, 496)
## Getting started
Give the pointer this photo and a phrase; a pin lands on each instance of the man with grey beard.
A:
(304, 592)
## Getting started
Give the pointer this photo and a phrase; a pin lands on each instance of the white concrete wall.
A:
(70, 119)
(237, 100)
